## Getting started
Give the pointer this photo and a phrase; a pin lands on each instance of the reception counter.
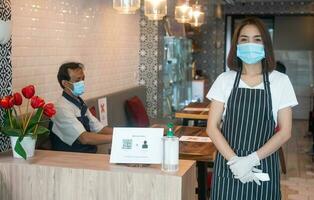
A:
(52, 175)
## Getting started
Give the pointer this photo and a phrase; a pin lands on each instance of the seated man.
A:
(74, 128)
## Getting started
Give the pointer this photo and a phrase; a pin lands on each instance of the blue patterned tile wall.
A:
(210, 40)
(148, 65)
(5, 69)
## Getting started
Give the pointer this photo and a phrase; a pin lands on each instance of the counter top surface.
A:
(87, 161)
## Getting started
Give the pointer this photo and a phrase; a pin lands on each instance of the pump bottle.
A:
(170, 158)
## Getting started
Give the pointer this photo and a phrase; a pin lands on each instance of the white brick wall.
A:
(47, 33)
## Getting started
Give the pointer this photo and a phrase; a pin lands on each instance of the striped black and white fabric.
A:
(247, 126)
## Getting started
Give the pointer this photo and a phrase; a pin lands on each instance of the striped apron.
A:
(247, 126)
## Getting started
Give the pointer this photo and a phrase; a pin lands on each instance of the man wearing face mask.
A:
(74, 128)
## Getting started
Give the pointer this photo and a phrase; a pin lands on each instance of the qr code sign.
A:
(127, 144)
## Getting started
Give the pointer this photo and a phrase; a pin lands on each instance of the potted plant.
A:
(23, 130)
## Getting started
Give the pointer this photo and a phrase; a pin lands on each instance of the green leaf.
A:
(42, 130)
(6, 118)
(15, 122)
(19, 149)
(11, 131)
(34, 121)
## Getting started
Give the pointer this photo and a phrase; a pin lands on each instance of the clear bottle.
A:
(170, 158)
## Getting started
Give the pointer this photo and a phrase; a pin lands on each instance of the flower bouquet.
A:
(20, 126)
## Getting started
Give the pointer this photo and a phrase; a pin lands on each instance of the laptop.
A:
(136, 145)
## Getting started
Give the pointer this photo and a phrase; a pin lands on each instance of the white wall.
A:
(47, 33)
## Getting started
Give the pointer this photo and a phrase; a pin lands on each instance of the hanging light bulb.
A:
(198, 16)
(218, 10)
(182, 12)
(126, 6)
(155, 9)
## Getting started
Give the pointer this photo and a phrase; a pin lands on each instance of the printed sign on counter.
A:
(136, 145)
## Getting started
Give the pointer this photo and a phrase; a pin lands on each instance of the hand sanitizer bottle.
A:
(170, 157)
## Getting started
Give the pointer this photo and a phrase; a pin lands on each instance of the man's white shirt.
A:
(66, 125)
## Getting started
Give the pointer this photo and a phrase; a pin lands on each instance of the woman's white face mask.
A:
(5, 31)
(250, 53)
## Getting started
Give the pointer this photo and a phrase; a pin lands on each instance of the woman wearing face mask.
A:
(250, 99)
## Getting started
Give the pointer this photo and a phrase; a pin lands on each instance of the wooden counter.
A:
(52, 175)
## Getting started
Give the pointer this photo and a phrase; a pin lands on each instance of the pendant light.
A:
(183, 12)
(198, 16)
(126, 6)
(218, 10)
(155, 9)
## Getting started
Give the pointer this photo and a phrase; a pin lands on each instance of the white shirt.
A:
(282, 92)
(66, 125)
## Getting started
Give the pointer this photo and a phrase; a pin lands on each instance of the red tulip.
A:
(49, 110)
(11, 101)
(7, 102)
(17, 99)
(28, 92)
(37, 102)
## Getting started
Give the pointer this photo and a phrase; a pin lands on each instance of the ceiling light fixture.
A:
(126, 6)
(198, 17)
(183, 12)
(155, 9)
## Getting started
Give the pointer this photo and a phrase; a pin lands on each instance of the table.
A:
(54, 175)
(200, 152)
(193, 111)
(203, 153)
(195, 150)
(198, 112)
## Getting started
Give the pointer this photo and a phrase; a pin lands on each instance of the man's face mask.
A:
(78, 88)
(250, 53)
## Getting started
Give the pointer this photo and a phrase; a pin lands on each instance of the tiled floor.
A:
(298, 183)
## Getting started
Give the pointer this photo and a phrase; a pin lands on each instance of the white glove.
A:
(251, 176)
(240, 166)
(234, 159)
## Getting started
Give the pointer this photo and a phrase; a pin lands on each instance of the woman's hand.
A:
(251, 176)
(241, 166)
